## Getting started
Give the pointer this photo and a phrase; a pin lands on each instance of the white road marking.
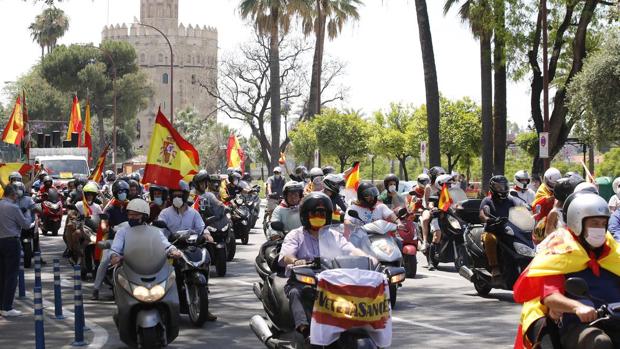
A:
(431, 327)
(440, 276)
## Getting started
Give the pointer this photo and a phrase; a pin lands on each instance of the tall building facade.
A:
(195, 62)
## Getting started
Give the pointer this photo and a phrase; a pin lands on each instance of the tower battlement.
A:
(123, 32)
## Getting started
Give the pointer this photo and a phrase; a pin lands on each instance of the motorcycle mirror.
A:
(160, 224)
(577, 287)
(514, 193)
(354, 214)
(279, 226)
(486, 210)
(104, 216)
(402, 213)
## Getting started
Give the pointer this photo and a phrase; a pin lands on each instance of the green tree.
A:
(610, 166)
(528, 142)
(594, 95)
(321, 17)
(392, 135)
(344, 136)
(460, 129)
(304, 142)
(48, 27)
(479, 15)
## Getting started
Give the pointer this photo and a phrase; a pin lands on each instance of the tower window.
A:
(193, 79)
(164, 78)
(160, 58)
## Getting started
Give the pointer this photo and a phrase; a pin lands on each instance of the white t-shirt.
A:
(381, 211)
(526, 196)
(614, 202)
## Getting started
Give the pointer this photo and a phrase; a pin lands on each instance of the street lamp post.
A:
(171, 68)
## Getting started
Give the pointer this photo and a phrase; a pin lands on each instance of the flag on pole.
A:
(353, 179)
(75, 120)
(14, 130)
(234, 153)
(87, 212)
(98, 172)
(7, 168)
(26, 140)
(88, 143)
(282, 159)
(589, 176)
(170, 157)
(445, 201)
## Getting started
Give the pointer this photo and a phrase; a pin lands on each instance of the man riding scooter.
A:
(288, 211)
(390, 195)
(332, 185)
(499, 205)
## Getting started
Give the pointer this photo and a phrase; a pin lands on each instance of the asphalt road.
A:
(437, 309)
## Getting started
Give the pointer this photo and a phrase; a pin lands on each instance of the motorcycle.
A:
(52, 211)
(409, 236)
(266, 262)
(147, 302)
(241, 218)
(80, 237)
(515, 251)
(29, 239)
(279, 332)
(223, 237)
(192, 275)
(377, 239)
(252, 201)
(272, 202)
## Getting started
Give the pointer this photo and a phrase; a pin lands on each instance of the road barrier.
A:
(37, 269)
(79, 309)
(38, 319)
(21, 279)
(57, 291)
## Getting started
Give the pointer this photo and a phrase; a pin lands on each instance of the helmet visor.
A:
(372, 192)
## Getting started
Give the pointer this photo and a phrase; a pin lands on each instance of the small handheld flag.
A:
(445, 201)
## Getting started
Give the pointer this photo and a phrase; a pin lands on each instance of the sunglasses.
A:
(318, 211)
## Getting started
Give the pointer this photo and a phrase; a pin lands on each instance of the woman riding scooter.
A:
(288, 211)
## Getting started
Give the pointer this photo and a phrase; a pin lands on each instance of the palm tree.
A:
(478, 14)
(270, 17)
(48, 27)
(38, 34)
(430, 82)
(499, 97)
(321, 16)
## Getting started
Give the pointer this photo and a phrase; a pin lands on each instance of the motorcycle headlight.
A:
(154, 294)
(305, 279)
(244, 222)
(523, 250)
(454, 222)
(397, 279)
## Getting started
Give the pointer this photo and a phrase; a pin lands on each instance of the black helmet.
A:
(499, 186)
(247, 177)
(333, 182)
(119, 186)
(124, 178)
(434, 172)
(564, 187)
(52, 195)
(367, 189)
(234, 175)
(20, 186)
(310, 202)
(15, 177)
(80, 180)
(41, 175)
(390, 178)
(110, 176)
(154, 187)
(215, 181)
(135, 176)
(328, 169)
(183, 187)
(48, 179)
(291, 187)
(201, 176)
(315, 172)
(135, 184)
(301, 172)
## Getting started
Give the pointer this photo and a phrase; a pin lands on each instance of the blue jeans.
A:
(10, 249)
(104, 264)
(299, 313)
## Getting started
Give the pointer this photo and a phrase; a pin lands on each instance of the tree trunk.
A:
(42, 53)
(343, 163)
(487, 109)
(500, 112)
(274, 68)
(314, 100)
(430, 82)
(591, 159)
(403, 168)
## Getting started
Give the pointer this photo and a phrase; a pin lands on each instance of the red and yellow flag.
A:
(282, 159)
(445, 201)
(234, 153)
(26, 140)
(7, 168)
(353, 179)
(170, 157)
(75, 121)
(14, 130)
(98, 172)
(88, 143)
(85, 207)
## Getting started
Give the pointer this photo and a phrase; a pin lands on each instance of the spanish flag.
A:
(234, 153)
(353, 179)
(170, 157)
(98, 172)
(445, 201)
(14, 130)
(7, 168)
(558, 254)
(88, 143)
(75, 120)
(85, 207)
(282, 159)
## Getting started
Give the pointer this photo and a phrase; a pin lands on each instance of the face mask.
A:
(122, 196)
(596, 237)
(317, 222)
(134, 222)
(277, 176)
(20, 193)
(392, 188)
(158, 201)
(177, 202)
(235, 182)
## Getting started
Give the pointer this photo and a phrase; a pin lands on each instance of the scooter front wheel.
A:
(482, 288)
(411, 265)
(150, 338)
(220, 262)
(198, 304)
(393, 292)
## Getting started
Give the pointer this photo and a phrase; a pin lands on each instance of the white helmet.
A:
(616, 185)
(139, 205)
(442, 179)
(551, 176)
(520, 177)
(277, 169)
(586, 186)
(580, 206)
(423, 179)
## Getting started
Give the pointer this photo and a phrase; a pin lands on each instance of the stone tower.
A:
(195, 62)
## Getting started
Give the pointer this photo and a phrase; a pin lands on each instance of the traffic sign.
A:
(543, 145)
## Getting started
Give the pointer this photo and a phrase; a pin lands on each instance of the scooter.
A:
(51, 216)
(193, 274)
(222, 234)
(409, 236)
(272, 202)
(147, 313)
(515, 251)
(266, 262)
(279, 332)
(377, 239)
(252, 201)
(30, 239)
(241, 218)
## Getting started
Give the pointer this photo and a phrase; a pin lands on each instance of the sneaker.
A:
(95, 296)
(11, 313)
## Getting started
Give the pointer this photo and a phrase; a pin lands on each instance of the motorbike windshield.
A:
(522, 218)
(329, 247)
(457, 194)
(144, 252)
